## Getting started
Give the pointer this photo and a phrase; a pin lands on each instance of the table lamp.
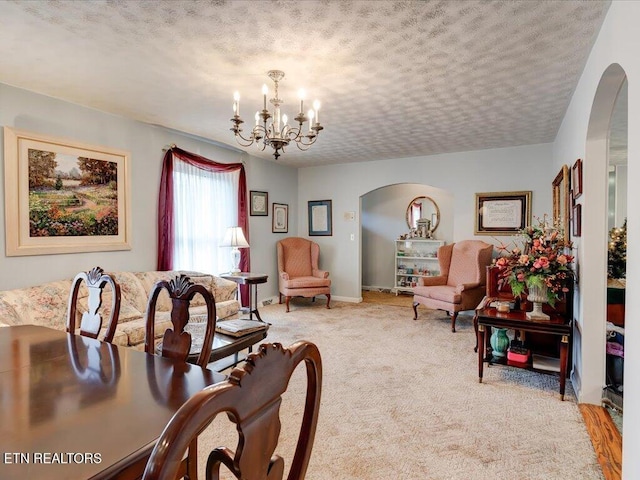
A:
(234, 238)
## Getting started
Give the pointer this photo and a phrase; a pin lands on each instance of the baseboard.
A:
(270, 300)
(347, 299)
(377, 289)
(574, 378)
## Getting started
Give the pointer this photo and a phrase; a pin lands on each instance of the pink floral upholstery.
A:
(47, 304)
(298, 272)
(462, 280)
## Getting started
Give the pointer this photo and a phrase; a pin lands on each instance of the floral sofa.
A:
(46, 304)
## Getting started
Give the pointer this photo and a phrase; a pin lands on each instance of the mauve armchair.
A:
(298, 272)
(461, 284)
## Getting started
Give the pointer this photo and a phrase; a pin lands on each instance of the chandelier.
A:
(273, 129)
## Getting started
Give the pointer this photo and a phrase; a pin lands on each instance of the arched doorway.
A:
(383, 218)
(589, 349)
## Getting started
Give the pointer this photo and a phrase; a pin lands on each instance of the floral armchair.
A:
(298, 272)
(461, 284)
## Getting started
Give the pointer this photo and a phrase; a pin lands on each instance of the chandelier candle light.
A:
(273, 129)
(234, 238)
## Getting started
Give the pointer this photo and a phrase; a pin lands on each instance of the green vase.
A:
(499, 342)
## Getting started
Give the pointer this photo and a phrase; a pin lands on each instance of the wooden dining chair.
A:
(251, 397)
(91, 321)
(176, 342)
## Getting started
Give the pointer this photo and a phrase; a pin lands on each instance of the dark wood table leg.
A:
(253, 302)
(564, 347)
(481, 348)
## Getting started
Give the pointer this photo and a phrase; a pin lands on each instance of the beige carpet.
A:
(401, 400)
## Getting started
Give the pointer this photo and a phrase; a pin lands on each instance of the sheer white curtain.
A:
(205, 204)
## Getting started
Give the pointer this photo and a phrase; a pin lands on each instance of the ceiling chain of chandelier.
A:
(273, 129)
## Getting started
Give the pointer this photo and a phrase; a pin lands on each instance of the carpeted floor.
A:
(401, 400)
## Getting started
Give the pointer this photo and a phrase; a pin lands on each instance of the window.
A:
(205, 204)
(199, 199)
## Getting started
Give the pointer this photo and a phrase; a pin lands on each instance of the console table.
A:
(253, 280)
(557, 325)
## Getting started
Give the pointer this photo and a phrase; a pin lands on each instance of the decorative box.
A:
(519, 355)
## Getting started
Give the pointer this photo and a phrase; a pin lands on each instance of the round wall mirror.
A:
(423, 211)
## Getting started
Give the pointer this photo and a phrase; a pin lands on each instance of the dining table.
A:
(72, 407)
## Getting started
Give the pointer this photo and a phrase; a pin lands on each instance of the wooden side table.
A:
(557, 325)
(253, 280)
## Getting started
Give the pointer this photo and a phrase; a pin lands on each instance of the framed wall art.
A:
(320, 217)
(577, 220)
(562, 201)
(280, 220)
(502, 213)
(576, 179)
(259, 204)
(62, 196)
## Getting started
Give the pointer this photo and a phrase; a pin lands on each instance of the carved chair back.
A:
(251, 397)
(176, 342)
(91, 321)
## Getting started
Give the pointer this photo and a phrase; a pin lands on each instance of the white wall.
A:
(45, 115)
(464, 174)
(383, 214)
(618, 43)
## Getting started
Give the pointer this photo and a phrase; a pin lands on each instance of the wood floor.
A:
(605, 436)
(606, 440)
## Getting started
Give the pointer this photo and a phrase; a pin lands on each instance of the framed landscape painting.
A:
(64, 197)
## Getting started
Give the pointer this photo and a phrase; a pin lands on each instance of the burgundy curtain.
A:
(165, 207)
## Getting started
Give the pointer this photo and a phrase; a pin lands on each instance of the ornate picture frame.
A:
(62, 196)
(576, 179)
(258, 204)
(280, 218)
(320, 223)
(502, 213)
(577, 220)
(561, 189)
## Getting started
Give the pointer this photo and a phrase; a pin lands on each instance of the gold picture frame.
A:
(62, 196)
(502, 213)
(562, 201)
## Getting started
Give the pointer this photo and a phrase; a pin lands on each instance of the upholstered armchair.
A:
(461, 284)
(298, 272)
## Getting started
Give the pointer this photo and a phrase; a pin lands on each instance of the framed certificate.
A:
(320, 217)
(502, 213)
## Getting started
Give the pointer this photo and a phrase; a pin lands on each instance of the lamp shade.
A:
(234, 238)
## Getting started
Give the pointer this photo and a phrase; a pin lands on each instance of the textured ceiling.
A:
(396, 78)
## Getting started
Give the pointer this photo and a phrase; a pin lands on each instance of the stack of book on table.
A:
(238, 328)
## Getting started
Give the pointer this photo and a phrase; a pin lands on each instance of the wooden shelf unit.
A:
(415, 258)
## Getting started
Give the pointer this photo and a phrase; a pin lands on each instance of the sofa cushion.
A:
(44, 305)
(163, 304)
(135, 329)
(8, 315)
(443, 293)
(223, 289)
(306, 282)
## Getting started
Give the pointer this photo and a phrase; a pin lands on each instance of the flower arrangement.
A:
(542, 262)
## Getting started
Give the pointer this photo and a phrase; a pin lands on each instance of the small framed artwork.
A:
(502, 213)
(576, 178)
(63, 196)
(577, 220)
(259, 204)
(280, 220)
(320, 217)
